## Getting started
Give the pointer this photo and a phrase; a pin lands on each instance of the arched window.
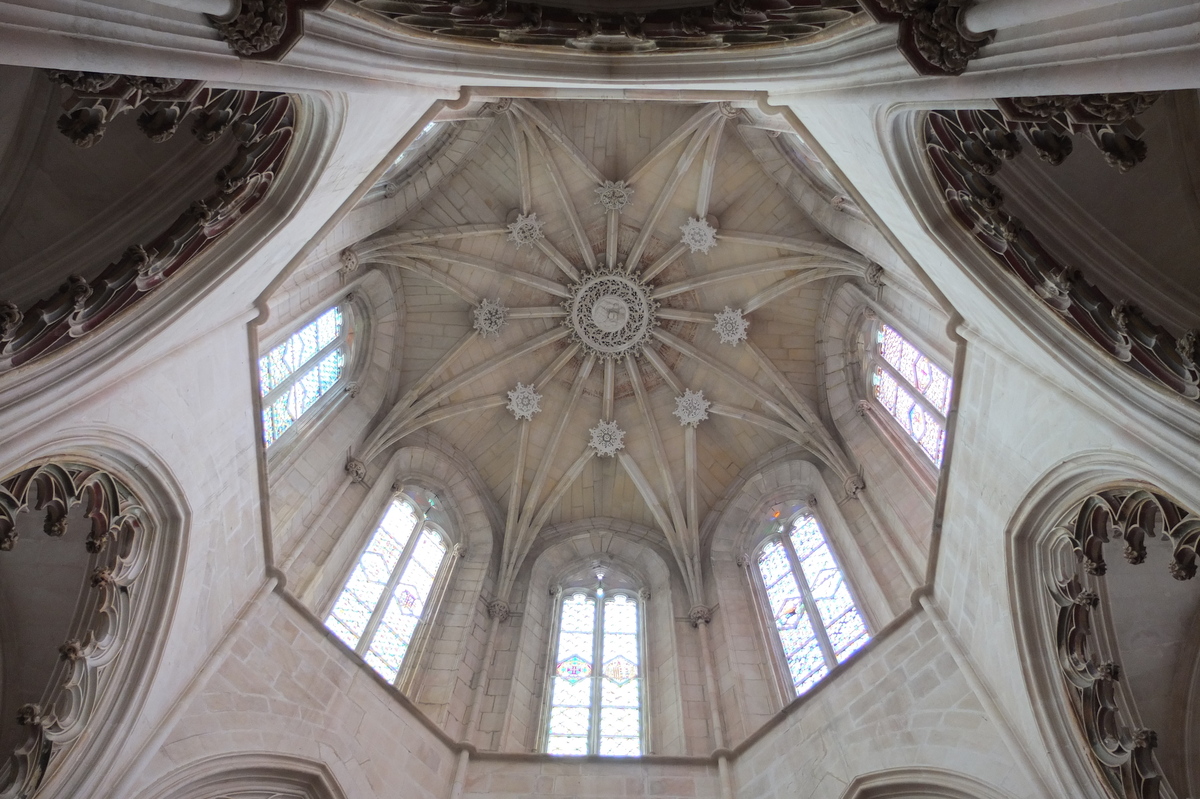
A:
(817, 621)
(597, 709)
(378, 611)
(913, 390)
(299, 371)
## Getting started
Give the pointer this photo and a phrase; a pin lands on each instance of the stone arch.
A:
(114, 524)
(1059, 539)
(919, 783)
(633, 551)
(247, 776)
(442, 685)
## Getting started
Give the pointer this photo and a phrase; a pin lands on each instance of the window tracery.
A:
(597, 680)
(817, 622)
(913, 390)
(388, 591)
(296, 373)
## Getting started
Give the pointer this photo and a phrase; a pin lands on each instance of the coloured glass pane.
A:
(301, 394)
(921, 426)
(844, 625)
(620, 693)
(801, 649)
(571, 689)
(918, 370)
(406, 606)
(354, 606)
(300, 348)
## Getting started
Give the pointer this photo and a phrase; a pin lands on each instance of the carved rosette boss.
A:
(265, 30)
(932, 35)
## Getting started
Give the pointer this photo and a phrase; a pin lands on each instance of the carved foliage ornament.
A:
(1123, 755)
(489, 318)
(607, 438)
(610, 312)
(963, 148)
(261, 121)
(118, 541)
(265, 29)
(524, 401)
(722, 24)
(932, 35)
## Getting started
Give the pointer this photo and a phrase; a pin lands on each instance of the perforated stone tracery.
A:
(610, 313)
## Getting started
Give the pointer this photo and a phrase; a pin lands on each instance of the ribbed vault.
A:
(611, 309)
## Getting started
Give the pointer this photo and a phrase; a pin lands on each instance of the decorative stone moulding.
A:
(526, 230)
(932, 35)
(1123, 755)
(691, 408)
(626, 28)
(524, 402)
(606, 439)
(610, 312)
(614, 195)
(261, 121)
(963, 147)
(731, 326)
(265, 30)
(698, 235)
(119, 542)
(489, 318)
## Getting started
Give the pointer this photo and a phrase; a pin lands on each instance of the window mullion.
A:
(913, 391)
(814, 613)
(377, 615)
(597, 689)
(301, 370)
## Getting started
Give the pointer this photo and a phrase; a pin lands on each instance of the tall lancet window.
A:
(384, 600)
(817, 621)
(299, 371)
(596, 679)
(913, 390)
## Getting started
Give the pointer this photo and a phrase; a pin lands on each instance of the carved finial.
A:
(56, 522)
(78, 289)
(71, 651)
(30, 715)
(356, 469)
(498, 609)
(698, 614)
(10, 319)
(1186, 346)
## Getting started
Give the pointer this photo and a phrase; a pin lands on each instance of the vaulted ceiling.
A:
(586, 250)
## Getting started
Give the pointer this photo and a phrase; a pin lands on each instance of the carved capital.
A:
(862, 408)
(353, 387)
(854, 484)
(1087, 599)
(30, 715)
(700, 614)
(498, 609)
(1109, 671)
(349, 261)
(460, 551)
(742, 560)
(644, 594)
(101, 577)
(874, 275)
(356, 469)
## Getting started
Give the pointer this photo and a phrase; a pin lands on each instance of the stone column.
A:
(700, 617)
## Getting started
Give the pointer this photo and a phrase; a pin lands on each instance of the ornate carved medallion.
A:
(610, 313)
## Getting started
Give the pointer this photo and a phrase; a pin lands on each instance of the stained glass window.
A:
(296, 373)
(379, 609)
(597, 710)
(914, 391)
(816, 618)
